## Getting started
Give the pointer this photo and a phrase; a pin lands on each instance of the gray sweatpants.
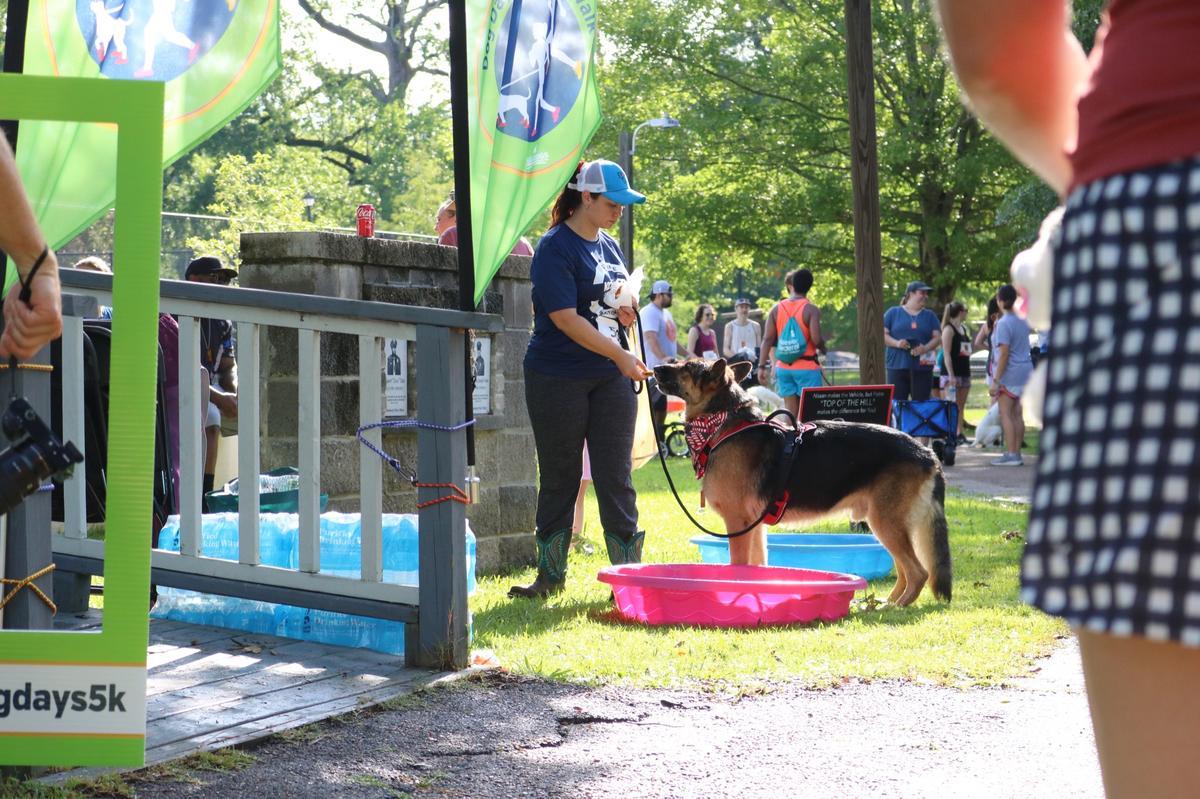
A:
(564, 412)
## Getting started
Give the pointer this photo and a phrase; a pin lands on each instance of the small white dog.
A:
(768, 401)
(988, 432)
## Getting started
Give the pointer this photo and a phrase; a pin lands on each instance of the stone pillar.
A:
(411, 273)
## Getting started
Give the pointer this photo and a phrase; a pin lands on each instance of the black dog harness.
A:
(707, 432)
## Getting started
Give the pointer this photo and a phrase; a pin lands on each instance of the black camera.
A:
(35, 455)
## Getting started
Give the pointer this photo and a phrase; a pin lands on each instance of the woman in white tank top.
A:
(743, 333)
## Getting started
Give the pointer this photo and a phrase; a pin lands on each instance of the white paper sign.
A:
(96, 699)
(395, 392)
(482, 359)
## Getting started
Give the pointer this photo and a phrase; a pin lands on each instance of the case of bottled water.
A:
(341, 546)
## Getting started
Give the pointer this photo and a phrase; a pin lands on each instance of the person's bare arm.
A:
(227, 374)
(27, 326)
(582, 333)
(1021, 69)
(981, 337)
(651, 337)
(727, 341)
(224, 394)
(1001, 366)
(653, 345)
(947, 343)
(813, 321)
(693, 337)
(768, 342)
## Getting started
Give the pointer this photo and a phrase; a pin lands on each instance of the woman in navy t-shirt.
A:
(578, 373)
(911, 335)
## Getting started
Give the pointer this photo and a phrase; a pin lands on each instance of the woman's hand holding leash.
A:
(32, 322)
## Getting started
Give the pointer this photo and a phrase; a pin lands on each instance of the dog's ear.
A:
(740, 370)
(716, 371)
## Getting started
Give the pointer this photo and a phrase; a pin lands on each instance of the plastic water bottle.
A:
(339, 629)
(401, 546)
(219, 537)
(341, 544)
(278, 540)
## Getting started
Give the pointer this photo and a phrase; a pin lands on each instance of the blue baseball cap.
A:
(607, 178)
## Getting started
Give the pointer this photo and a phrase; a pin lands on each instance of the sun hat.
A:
(607, 178)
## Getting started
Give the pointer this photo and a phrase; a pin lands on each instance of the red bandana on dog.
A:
(702, 437)
(698, 433)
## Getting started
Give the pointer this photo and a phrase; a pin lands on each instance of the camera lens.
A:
(35, 456)
(21, 473)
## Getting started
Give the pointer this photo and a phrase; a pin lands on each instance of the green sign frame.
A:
(67, 668)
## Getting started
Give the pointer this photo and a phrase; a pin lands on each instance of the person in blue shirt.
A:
(1013, 367)
(911, 334)
(580, 373)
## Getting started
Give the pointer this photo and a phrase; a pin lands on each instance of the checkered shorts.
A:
(1114, 533)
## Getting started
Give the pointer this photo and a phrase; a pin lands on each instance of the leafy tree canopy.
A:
(759, 180)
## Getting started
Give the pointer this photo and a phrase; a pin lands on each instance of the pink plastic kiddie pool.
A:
(712, 595)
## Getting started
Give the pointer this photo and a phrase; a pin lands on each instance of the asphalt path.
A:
(494, 735)
(974, 473)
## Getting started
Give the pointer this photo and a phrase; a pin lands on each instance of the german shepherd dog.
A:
(878, 474)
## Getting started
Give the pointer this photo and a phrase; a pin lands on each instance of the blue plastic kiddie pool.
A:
(848, 553)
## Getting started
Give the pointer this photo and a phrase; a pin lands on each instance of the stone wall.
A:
(411, 273)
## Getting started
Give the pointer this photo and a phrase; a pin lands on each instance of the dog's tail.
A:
(932, 540)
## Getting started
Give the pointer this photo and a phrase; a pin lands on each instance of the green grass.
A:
(984, 637)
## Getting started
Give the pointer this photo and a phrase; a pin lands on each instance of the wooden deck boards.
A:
(209, 687)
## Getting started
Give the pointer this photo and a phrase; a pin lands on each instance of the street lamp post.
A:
(309, 202)
(627, 145)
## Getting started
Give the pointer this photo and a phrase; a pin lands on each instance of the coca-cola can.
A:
(366, 220)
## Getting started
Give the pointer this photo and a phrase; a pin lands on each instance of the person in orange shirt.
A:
(792, 336)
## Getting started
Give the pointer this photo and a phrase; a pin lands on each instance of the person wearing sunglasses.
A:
(702, 339)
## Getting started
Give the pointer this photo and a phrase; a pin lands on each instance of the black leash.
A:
(791, 456)
(25, 296)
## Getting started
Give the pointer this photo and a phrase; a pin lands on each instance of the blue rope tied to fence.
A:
(395, 463)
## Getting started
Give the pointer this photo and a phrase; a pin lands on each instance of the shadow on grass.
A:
(536, 616)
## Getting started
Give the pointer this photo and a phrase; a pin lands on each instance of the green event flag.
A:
(533, 107)
(214, 57)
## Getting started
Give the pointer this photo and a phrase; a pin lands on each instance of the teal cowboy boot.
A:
(552, 566)
(622, 549)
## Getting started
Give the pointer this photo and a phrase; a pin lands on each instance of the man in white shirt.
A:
(658, 326)
(659, 333)
(742, 335)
